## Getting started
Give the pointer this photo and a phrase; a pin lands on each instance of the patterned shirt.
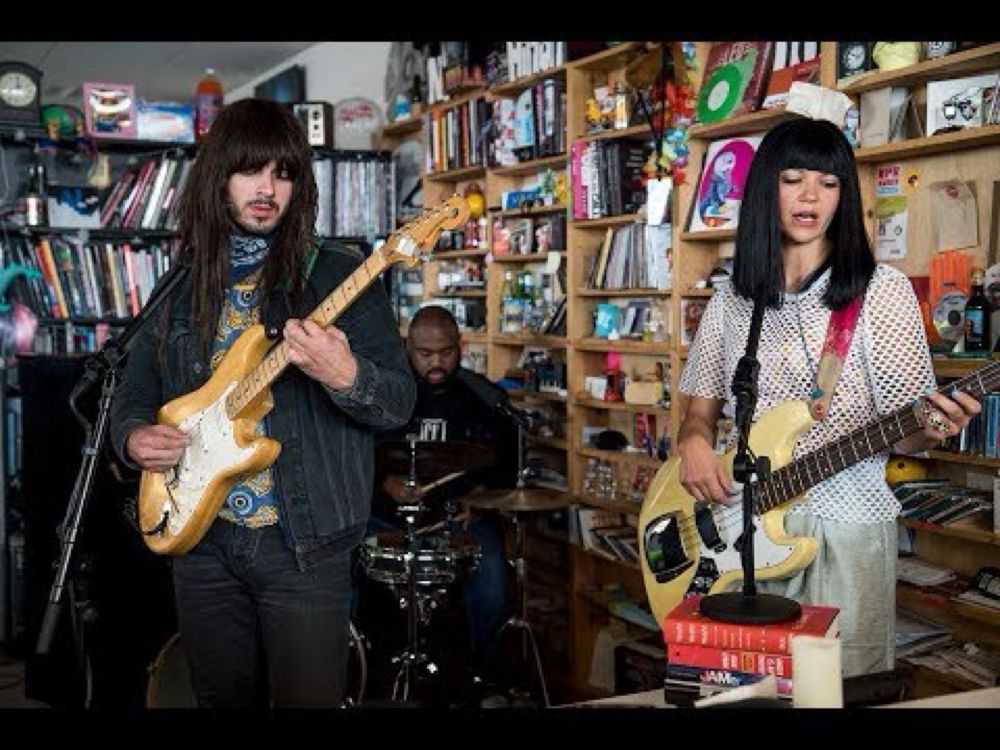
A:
(251, 501)
(887, 366)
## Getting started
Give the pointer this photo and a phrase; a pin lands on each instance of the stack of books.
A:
(711, 654)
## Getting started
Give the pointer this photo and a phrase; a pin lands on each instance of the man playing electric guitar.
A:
(271, 576)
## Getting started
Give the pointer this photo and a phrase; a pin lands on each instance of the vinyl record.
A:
(948, 315)
(721, 93)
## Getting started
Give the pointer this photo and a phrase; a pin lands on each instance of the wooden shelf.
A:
(970, 528)
(537, 396)
(551, 442)
(706, 293)
(986, 135)
(527, 167)
(976, 60)
(607, 221)
(625, 346)
(601, 293)
(524, 339)
(472, 294)
(608, 59)
(526, 257)
(593, 403)
(535, 211)
(469, 252)
(963, 458)
(509, 89)
(98, 233)
(594, 553)
(752, 122)
(474, 337)
(403, 127)
(711, 235)
(457, 175)
(471, 92)
(954, 367)
(635, 131)
(622, 457)
(942, 611)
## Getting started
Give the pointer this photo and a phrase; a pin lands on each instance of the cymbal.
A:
(433, 458)
(524, 499)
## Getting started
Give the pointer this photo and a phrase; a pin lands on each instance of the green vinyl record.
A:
(721, 93)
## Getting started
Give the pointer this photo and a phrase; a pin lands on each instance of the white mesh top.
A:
(887, 367)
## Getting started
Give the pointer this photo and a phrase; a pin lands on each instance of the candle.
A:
(817, 681)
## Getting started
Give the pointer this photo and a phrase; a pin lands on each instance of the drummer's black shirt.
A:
(451, 412)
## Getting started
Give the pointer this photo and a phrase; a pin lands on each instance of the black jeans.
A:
(239, 591)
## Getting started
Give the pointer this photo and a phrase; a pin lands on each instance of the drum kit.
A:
(417, 566)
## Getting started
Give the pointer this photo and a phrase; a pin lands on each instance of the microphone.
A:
(492, 395)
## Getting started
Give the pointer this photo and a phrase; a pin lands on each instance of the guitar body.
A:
(697, 550)
(190, 496)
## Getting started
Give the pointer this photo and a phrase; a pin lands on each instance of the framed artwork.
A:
(109, 110)
(720, 189)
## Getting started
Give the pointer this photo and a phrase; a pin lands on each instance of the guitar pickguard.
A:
(211, 456)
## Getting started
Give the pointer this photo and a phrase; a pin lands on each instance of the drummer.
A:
(447, 410)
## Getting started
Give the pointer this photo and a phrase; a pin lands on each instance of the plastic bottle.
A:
(207, 103)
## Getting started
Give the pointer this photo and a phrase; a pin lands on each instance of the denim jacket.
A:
(324, 469)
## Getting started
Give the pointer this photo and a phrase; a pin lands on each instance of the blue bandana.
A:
(247, 253)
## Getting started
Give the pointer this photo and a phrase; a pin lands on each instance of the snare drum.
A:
(440, 559)
(170, 686)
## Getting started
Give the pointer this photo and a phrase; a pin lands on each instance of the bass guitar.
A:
(688, 546)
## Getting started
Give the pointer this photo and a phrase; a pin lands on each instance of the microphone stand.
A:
(747, 606)
(106, 363)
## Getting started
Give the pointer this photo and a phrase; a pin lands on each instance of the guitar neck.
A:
(792, 480)
(275, 361)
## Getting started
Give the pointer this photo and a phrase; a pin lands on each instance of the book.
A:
(685, 624)
(720, 187)
(725, 678)
(733, 83)
(760, 662)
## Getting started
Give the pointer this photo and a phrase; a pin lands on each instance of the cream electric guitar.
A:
(177, 507)
(688, 546)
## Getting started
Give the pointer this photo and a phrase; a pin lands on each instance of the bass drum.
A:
(169, 684)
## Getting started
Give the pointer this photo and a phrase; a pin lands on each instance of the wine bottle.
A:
(977, 317)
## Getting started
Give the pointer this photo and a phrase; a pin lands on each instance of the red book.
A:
(780, 665)
(685, 624)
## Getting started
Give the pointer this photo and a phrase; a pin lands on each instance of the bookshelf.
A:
(974, 153)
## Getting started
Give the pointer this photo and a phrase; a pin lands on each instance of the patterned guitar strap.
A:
(839, 332)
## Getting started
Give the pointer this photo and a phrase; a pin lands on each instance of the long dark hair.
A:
(248, 134)
(757, 267)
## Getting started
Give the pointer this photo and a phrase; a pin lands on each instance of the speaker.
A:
(317, 119)
(124, 591)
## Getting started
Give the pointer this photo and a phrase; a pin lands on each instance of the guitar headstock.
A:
(419, 236)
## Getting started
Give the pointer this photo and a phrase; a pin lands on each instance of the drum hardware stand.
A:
(106, 363)
(519, 621)
(411, 658)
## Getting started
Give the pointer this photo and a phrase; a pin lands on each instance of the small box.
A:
(317, 119)
(109, 110)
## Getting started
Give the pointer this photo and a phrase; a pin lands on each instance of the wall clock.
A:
(20, 87)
